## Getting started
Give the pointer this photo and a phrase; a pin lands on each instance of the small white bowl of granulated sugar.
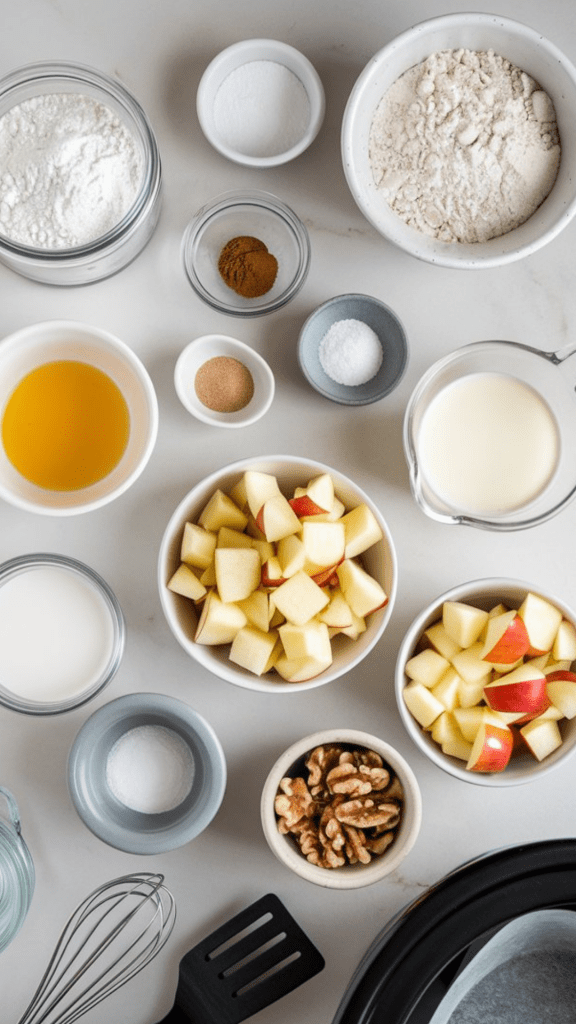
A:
(353, 349)
(458, 142)
(260, 102)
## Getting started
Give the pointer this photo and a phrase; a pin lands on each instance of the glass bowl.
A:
(107, 254)
(17, 873)
(73, 627)
(257, 215)
(550, 376)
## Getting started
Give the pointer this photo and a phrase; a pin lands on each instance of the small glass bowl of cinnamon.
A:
(246, 253)
(223, 381)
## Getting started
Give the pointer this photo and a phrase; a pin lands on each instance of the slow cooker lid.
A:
(438, 929)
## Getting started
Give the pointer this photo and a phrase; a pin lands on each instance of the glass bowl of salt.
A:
(353, 349)
(146, 773)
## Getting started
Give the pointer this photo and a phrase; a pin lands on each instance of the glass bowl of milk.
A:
(490, 436)
(62, 634)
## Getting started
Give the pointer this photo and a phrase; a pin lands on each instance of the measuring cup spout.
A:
(562, 358)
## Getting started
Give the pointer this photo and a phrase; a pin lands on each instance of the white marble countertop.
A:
(159, 51)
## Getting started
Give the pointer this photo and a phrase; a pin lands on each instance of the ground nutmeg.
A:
(224, 384)
(247, 267)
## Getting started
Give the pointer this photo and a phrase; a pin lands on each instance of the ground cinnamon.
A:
(247, 267)
(224, 384)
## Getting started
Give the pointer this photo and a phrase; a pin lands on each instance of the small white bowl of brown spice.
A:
(341, 808)
(223, 381)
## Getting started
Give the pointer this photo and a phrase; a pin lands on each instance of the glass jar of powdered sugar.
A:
(80, 174)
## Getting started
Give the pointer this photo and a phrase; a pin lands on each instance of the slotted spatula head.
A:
(251, 961)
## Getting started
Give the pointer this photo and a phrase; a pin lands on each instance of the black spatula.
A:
(246, 964)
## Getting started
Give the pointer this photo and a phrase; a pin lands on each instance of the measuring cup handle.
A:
(13, 812)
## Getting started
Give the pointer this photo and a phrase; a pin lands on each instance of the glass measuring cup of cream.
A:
(16, 872)
(490, 436)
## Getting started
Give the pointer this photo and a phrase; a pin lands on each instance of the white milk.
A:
(56, 634)
(487, 444)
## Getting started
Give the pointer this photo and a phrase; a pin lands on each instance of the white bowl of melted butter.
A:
(78, 418)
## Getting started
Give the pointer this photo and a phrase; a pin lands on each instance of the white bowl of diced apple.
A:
(277, 574)
(486, 682)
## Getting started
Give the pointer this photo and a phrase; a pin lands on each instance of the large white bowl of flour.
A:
(458, 142)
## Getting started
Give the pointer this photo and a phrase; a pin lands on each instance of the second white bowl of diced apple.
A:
(277, 574)
(486, 681)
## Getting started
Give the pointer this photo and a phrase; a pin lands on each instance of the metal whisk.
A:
(115, 932)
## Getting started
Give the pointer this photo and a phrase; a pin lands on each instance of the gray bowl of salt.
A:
(353, 349)
(146, 773)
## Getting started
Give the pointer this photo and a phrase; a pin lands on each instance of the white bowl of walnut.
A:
(341, 808)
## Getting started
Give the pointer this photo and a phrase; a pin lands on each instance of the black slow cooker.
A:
(412, 963)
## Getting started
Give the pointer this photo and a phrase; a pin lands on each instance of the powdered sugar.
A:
(70, 170)
(465, 146)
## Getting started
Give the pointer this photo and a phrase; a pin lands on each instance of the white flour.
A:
(465, 146)
(70, 170)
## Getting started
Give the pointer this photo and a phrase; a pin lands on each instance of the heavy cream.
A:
(56, 634)
(487, 444)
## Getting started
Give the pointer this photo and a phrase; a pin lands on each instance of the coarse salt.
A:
(350, 352)
(261, 109)
(150, 769)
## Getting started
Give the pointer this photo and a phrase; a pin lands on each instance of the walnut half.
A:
(347, 811)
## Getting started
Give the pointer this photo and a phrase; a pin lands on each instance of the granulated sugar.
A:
(465, 146)
(261, 109)
(150, 769)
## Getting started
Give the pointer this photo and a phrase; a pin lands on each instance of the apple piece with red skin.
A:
(521, 692)
(271, 575)
(506, 639)
(276, 518)
(541, 619)
(327, 577)
(491, 749)
(561, 689)
(304, 506)
(541, 736)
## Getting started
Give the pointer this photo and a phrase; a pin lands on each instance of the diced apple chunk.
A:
(221, 511)
(338, 612)
(542, 736)
(300, 599)
(310, 640)
(447, 689)
(427, 667)
(300, 669)
(258, 487)
(219, 622)
(362, 592)
(422, 704)
(446, 732)
(228, 538)
(237, 573)
(255, 608)
(438, 638)
(469, 721)
(321, 490)
(561, 690)
(470, 665)
(564, 647)
(541, 620)
(185, 582)
(362, 530)
(251, 649)
(276, 518)
(463, 622)
(198, 546)
(323, 542)
(291, 555)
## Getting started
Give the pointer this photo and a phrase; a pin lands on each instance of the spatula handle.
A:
(175, 1016)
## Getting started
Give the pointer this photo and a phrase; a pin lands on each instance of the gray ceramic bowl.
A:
(383, 322)
(113, 821)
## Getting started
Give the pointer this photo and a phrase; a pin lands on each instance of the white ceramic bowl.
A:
(234, 57)
(352, 876)
(485, 593)
(213, 346)
(291, 471)
(525, 48)
(22, 352)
